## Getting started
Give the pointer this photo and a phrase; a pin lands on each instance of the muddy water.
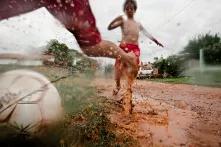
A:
(169, 114)
(171, 133)
(167, 124)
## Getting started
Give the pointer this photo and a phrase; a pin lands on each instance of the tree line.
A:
(175, 65)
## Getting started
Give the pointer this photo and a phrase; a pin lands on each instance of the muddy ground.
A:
(168, 114)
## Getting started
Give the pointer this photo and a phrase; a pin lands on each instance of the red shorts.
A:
(127, 47)
(76, 15)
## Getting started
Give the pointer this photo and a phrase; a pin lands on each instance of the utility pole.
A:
(202, 63)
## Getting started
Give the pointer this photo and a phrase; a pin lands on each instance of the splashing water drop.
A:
(58, 1)
(10, 6)
(72, 4)
(81, 12)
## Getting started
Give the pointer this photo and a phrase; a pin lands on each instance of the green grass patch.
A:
(177, 80)
(208, 77)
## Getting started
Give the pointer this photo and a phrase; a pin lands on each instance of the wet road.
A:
(169, 114)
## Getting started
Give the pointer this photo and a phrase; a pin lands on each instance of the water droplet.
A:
(72, 4)
(81, 12)
(10, 6)
(58, 1)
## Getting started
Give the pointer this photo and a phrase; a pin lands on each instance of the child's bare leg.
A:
(109, 49)
(118, 74)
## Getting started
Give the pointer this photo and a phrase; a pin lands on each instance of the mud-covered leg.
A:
(127, 97)
(127, 102)
(118, 74)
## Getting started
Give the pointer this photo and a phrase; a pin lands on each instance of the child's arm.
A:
(115, 23)
(148, 35)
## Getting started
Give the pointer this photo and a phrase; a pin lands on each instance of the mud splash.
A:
(156, 123)
(168, 114)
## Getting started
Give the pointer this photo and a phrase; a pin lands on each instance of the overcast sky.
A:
(172, 22)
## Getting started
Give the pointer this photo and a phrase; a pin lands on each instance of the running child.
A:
(130, 29)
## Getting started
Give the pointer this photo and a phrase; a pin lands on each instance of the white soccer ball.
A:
(27, 98)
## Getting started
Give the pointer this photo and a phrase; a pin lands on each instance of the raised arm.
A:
(115, 23)
(148, 35)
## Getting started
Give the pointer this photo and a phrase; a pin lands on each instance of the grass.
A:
(177, 80)
(201, 80)
(211, 76)
(85, 122)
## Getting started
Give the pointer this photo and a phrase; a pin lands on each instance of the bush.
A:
(212, 55)
(173, 65)
(210, 43)
(61, 53)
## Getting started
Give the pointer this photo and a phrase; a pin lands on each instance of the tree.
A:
(160, 64)
(172, 65)
(61, 53)
(210, 43)
(64, 57)
(212, 55)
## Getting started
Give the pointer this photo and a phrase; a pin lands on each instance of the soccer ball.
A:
(28, 99)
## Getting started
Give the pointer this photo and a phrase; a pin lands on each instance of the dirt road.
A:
(168, 114)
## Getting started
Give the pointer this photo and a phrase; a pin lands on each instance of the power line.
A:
(176, 14)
